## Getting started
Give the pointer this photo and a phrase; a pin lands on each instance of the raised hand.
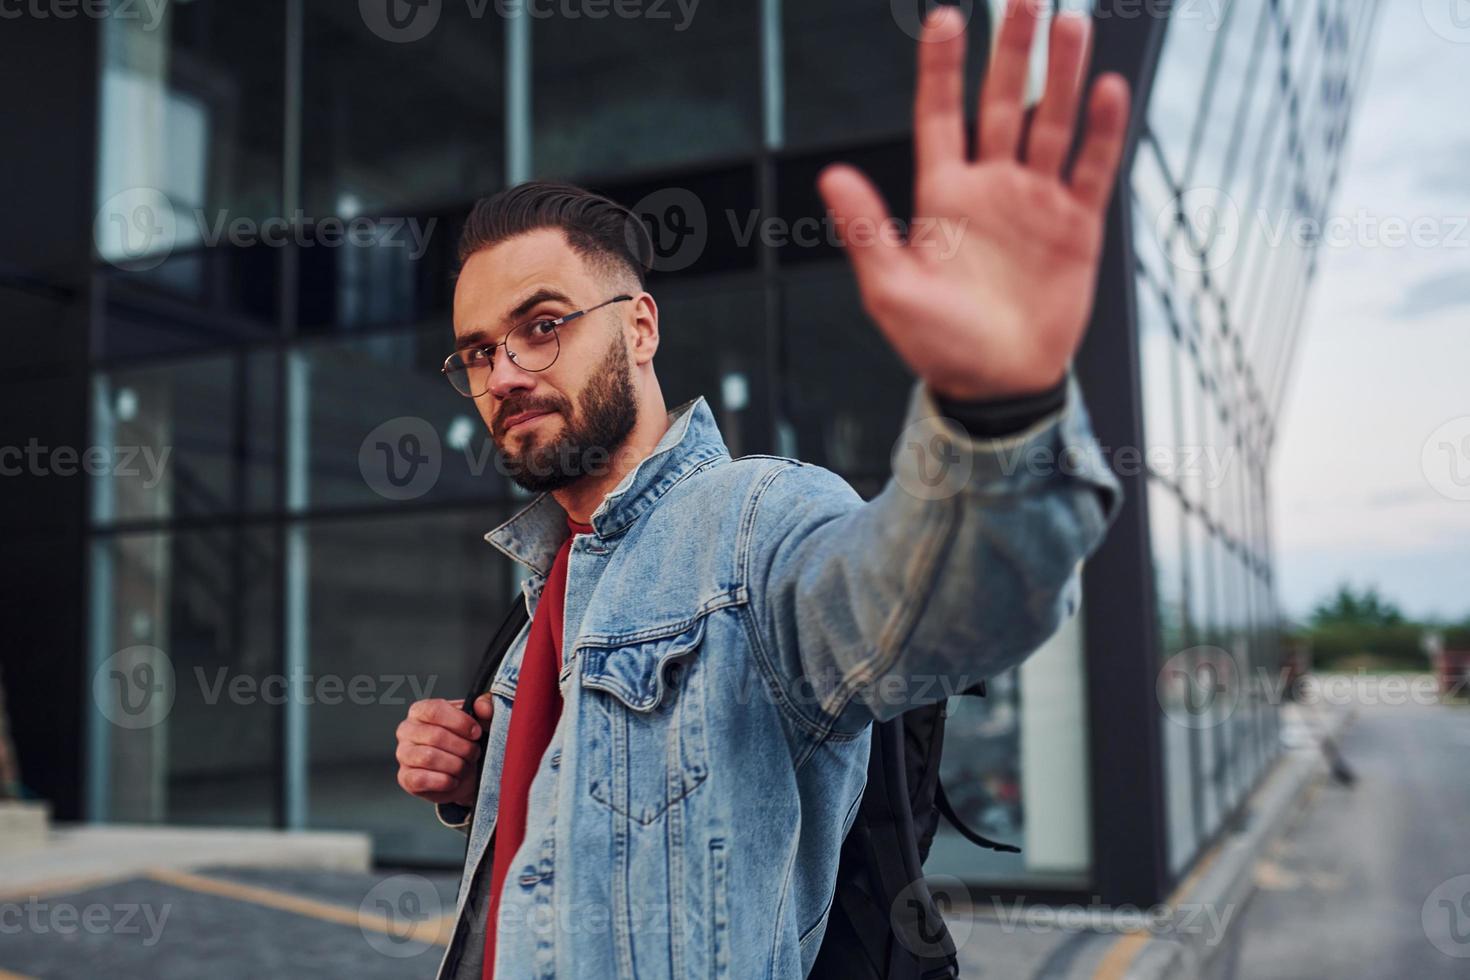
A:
(991, 292)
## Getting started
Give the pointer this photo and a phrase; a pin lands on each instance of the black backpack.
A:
(884, 923)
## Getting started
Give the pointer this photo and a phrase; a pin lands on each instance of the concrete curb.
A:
(1226, 879)
(83, 855)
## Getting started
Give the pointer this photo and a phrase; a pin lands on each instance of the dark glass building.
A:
(235, 288)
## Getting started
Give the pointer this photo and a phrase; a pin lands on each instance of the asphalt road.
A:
(1373, 882)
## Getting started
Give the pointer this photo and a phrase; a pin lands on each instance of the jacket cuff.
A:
(936, 457)
(993, 418)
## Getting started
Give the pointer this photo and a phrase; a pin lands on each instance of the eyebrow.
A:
(545, 294)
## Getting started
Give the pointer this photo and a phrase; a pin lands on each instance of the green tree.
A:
(1349, 608)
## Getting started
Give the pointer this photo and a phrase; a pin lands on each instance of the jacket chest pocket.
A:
(646, 697)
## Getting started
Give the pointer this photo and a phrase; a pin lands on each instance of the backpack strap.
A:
(494, 655)
(941, 801)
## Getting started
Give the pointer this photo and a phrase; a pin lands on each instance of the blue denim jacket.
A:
(733, 626)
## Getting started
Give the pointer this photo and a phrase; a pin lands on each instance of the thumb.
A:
(484, 707)
(869, 236)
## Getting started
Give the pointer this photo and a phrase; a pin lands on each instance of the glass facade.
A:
(1236, 166)
(279, 198)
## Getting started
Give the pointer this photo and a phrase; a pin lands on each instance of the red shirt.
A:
(536, 708)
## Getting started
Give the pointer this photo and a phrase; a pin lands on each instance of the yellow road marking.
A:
(435, 931)
(7, 975)
(1114, 964)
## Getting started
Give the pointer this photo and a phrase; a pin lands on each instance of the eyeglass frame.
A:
(489, 349)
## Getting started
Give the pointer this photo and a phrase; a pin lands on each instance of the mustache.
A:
(511, 409)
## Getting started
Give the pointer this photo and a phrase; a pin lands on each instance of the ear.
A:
(642, 329)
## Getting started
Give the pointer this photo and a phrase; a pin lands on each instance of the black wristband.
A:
(993, 418)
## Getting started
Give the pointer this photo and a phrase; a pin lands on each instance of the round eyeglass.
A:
(531, 346)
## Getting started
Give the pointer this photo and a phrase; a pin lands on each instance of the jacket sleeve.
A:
(964, 564)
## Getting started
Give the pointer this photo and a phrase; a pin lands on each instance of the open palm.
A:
(989, 294)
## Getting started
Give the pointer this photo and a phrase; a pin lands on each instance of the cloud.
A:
(1433, 293)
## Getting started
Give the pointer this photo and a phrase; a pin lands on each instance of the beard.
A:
(607, 408)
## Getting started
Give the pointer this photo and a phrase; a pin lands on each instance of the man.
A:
(678, 741)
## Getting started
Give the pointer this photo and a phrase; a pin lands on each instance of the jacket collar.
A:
(534, 534)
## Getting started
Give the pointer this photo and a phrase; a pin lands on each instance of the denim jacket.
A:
(732, 628)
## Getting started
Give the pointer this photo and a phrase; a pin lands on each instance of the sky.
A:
(1371, 472)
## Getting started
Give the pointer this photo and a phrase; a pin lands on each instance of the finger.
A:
(417, 733)
(868, 234)
(432, 759)
(420, 782)
(1056, 117)
(939, 95)
(1107, 127)
(484, 708)
(437, 711)
(1002, 96)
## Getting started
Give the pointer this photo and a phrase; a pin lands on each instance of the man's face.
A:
(552, 426)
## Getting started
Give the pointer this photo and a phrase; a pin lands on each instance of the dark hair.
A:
(597, 227)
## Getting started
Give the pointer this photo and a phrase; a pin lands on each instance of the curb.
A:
(1224, 878)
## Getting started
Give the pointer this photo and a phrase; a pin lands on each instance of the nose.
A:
(506, 377)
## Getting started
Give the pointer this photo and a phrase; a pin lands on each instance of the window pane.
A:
(698, 98)
(399, 609)
(395, 125)
(185, 653)
(185, 438)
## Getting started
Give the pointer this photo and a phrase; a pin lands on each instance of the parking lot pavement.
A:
(1373, 881)
(224, 924)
